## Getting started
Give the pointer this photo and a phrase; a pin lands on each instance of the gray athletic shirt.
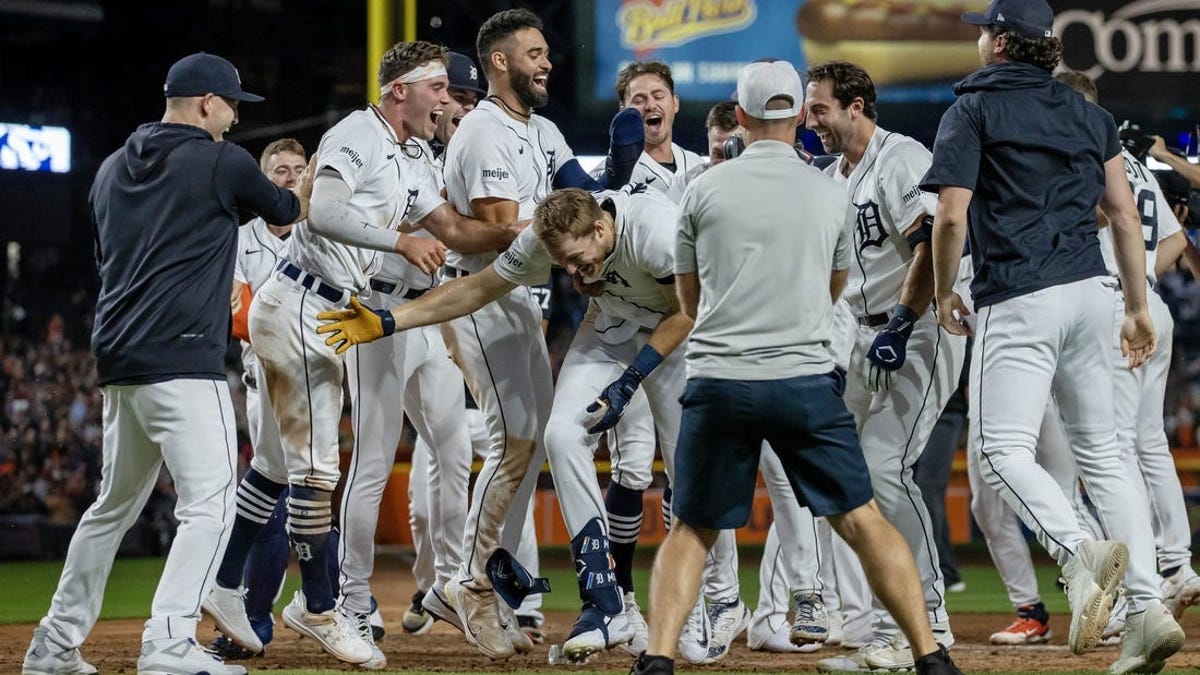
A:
(764, 232)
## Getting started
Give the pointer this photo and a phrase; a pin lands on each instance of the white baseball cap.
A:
(761, 81)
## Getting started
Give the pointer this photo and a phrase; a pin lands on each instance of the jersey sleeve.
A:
(242, 184)
(903, 197)
(1168, 224)
(350, 150)
(654, 249)
(239, 264)
(956, 150)
(685, 232)
(842, 252)
(525, 262)
(485, 161)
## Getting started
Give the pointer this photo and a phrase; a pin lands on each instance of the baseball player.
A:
(164, 209)
(413, 369)
(362, 169)
(500, 162)
(451, 514)
(1044, 310)
(260, 561)
(625, 238)
(903, 368)
(649, 88)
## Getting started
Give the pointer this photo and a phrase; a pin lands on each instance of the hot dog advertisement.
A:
(915, 50)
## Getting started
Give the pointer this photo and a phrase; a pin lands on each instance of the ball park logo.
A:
(646, 24)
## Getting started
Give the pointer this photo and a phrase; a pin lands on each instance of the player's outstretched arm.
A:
(1185, 168)
(357, 324)
(949, 234)
(468, 235)
(1138, 337)
(331, 215)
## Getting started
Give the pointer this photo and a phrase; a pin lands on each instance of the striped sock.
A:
(310, 518)
(624, 508)
(256, 497)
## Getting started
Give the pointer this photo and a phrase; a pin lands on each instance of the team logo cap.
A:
(204, 73)
(1029, 18)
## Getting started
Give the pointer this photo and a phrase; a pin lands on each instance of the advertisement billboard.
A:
(1145, 52)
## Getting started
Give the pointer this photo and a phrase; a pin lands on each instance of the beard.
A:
(522, 84)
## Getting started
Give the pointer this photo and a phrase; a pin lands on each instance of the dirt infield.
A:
(113, 646)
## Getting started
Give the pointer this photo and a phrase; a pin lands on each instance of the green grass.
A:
(29, 585)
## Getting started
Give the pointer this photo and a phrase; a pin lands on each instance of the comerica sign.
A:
(1150, 36)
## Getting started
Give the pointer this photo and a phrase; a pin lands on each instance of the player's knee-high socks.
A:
(267, 564)
(310, 518)
(666, 508)
(256, 497)
(624, 508)
(597, 581)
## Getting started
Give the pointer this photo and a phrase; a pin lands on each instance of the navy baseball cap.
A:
(1030, 18)
(463, 74)
(203, 73)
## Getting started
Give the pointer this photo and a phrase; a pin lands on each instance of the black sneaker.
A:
(416, 620)
(937, 663)
(652, 665)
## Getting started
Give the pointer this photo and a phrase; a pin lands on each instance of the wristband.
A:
(645, 362)
(905, 313)
(387, 321)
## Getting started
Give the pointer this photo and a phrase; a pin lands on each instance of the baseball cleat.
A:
(377, 627)
(479, 614)
(937, 663)
(641, 631)
(227, 607)
(856, 661)
(438, 606)
(896, 655)
(417, 620)
(810, 623)
(1181, 590)
(174, 656)
(1151, 637)
(695, 638)
(1030, 627)
(1091, 576)
(760, 637)
(362, 625)
(331, 629)
(46, 658)
(594, 631)
(532, 628)
(521, 641)
(727, 621)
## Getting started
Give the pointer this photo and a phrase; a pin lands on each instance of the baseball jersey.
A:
(883, 187)
(388, 189)
(1158, 221)
(634, 273)
(649, 171)
(763, 232)
(258, 253)
(393, 267)
(493, 155)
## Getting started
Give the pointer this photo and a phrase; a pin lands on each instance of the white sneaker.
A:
(227, 607)
(417, 620)
(330, 629)
(641, 631)
(46, 658)
(594, 631)
(895, 656)
(696, 636)
(362, 625)
(760, 637)
(1181, 590)
(1111, 637)
(1151, 637)
(727, 621)
(810, 623)
(1091, 575)
(175, 656)
(521, 642)
(478, 613)
(435, 603)
(856, 661)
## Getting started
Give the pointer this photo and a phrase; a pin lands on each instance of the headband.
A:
(425, 71)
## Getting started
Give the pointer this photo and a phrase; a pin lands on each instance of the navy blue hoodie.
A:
(165, 218)
(1033, 150)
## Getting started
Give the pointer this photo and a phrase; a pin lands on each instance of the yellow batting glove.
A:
(355, 325)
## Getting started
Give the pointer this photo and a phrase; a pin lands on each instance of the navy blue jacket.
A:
(1033, 150)
(165, 218)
